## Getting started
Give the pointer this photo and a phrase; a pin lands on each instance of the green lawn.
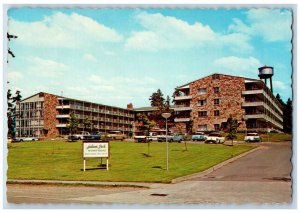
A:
(57, 160)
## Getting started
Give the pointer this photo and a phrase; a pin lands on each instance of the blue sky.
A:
(118, 56)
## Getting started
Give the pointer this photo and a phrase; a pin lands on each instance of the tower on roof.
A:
(266, 72)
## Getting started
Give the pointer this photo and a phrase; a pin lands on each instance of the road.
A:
(261, 177)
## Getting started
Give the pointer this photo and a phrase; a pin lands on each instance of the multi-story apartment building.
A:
(207, 103)
(47, 115)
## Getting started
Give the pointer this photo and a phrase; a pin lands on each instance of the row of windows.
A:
(31, 105)
(203, 90)
(203, 127)
(204, 102)
(204, 113)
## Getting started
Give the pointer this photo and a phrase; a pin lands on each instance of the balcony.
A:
(261, 103)
(61, 125)
(63, 107)
(266, 95)
(183, 97)
(251, 92)
(263, 117)
(63, 116)
(182, 119)
(182, 108)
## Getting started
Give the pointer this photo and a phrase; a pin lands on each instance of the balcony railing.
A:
(182, 108)
(182, 119)
(61, 125)
(264, 117)
(184, 97)
(63, 107)
(63, 116)
(266, 106)
(266, 95)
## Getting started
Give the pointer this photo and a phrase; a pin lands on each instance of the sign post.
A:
(95, 149)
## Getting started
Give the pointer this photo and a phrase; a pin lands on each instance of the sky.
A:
(120, 56)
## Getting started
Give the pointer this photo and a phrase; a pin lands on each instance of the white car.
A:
(215, 137)
(252, 137)
(21, 139)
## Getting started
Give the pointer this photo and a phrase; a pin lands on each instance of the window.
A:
(216, 112)
(216, 101)
(202, 127)
(202, 102)
(217, 127)
(216, 89)
(215, 76)
(202, 113)
(202, 91)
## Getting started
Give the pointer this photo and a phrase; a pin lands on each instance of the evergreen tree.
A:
(146, 127)
(12, 101)
(87, 123)
(232, 125)
(157, 99)
(288, 116)
(279, 99)
(167, 103)
(73, 123)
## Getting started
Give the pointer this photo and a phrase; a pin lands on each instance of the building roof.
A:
(150, 108)
(184, 85)
(59, 96)
(38, 94)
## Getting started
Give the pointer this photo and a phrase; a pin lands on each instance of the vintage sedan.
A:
(21, 139)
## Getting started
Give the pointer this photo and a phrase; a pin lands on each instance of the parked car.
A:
(143, 138)
(198, 136)
(78, 136)
(93, 136)
(215, 137)
(162, 138)
(21, 139)
(115, 135)
(178, 138)
(171, 138)
(252, 137)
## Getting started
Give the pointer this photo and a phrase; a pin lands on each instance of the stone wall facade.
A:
(223, 97)
(50, 112)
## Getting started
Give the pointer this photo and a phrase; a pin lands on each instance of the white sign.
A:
(95, 149)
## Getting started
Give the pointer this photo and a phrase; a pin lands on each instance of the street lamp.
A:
(166, 115)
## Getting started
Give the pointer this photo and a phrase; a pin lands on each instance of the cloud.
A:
(62, 30)
(89, 57)
(270, 24)
(236, 42)
(46, 68)
(116, 88)
(237, 65)
(14, 75)
(280, 85)
(164, 32)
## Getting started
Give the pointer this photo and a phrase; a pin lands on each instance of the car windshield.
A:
(252, 134)
(199, 133)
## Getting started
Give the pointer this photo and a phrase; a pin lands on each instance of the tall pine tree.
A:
(12, 101)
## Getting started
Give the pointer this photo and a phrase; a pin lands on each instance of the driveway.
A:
(261, 177)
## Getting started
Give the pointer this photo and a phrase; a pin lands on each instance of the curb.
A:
(213, 168)
(82, 183)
